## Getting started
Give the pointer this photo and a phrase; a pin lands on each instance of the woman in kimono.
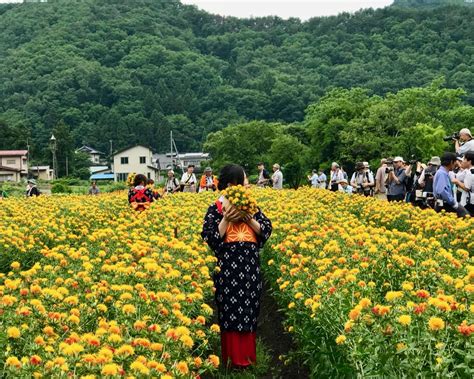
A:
(139, 196)
(236, 242)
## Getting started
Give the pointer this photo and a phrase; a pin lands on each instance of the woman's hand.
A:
(231, 214)
(247, 218)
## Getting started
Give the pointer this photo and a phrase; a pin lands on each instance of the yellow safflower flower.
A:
(436, 323)
(405, 320)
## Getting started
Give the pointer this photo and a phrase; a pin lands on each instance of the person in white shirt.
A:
(314, 179)
(363, 179)
(188, 180)
(465, 137)
(467, 184)
(336, 176)
(172, 184)
(322, 179)
(277, 177)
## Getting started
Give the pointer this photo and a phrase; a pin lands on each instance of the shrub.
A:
(60, 188)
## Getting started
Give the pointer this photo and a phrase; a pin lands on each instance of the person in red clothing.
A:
(236, 241)
(140, 196)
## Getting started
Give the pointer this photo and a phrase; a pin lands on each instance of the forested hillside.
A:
(129, 71)
(430, 3)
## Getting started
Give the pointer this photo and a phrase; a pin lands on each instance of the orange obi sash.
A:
(240, 232)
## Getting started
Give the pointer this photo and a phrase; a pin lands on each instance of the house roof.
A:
(96, 169)
(102, 176)
(193, 155)
(11, 153)
(154, 168)
(90, 150)
(40, 168)
(163, 161)
(131, 147)
(3, 168)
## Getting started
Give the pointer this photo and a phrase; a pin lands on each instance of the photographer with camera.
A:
(467, 184)
(424, 197)
(426, 178)
(443, 190)
(413, 171)
(363, 180)
(463, 141)
(396, 179)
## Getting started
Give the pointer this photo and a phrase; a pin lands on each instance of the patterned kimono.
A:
(140, 198)
(238, 283)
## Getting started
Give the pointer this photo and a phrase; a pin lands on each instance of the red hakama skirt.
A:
(239, 349)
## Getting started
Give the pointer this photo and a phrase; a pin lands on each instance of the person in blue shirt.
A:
(443, 190)
(345, 187)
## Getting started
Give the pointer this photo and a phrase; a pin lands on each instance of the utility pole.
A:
(27, 156)
(53, 144)
(111, 157)
(171, 149)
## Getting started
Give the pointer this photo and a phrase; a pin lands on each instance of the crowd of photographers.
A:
(444, 183)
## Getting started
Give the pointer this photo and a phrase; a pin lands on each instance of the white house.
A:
(137, 159)
(13, 165)
(94, 155)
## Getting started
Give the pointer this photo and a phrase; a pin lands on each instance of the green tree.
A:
(243, 144)
(80, 166)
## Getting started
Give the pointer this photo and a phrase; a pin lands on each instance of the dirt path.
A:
(270, 331)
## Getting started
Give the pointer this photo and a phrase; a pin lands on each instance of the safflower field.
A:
(90, 288)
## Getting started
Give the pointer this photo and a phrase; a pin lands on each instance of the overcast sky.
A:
(303, 9)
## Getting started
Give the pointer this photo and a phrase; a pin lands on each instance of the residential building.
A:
(42, 172)
(101, 173)
(195, 159)
(96, 156)
(99, 169)
(136, 159)
(13, 165)
(163, 161)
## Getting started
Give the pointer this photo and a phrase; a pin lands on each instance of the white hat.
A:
(277, 166)
(343, 181)
(334, 164)
(398, 159)
(465, 131)
(435, 161)
(366, 164)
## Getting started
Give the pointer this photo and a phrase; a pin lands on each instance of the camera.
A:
(452, 137)
(389, 168)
